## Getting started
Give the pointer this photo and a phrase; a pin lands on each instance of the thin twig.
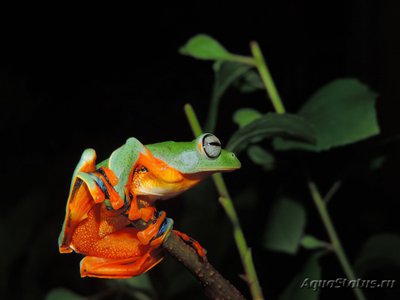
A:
(332, 191)
(227, 204)
(267, 78)
(333, 236)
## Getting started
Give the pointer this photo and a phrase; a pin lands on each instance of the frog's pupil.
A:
(215, 144)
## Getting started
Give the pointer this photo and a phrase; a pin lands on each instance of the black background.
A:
(69, 83)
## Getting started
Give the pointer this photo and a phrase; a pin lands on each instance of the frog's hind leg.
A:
(88, 187)
(120, 255)
(118, 268)
(79, 201)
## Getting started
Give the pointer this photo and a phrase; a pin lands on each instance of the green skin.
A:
(186, 157)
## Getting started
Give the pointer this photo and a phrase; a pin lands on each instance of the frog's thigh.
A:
(79, 201)
(117, 268)
(121, 267)
(119, 255)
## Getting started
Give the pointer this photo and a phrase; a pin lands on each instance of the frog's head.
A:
(202, 155)
(211, 157)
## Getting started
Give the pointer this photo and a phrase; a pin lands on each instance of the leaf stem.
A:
(318, 200)
(332, 191)
(226, 202)
(267, 78)
(336, 244)
(243, 59)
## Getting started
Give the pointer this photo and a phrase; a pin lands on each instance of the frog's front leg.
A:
(88, 186)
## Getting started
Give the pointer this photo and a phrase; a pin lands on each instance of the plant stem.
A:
(267, 78)
(336, 244)
(193, 121)
(332, 191)
(227, 204)
(319, 202)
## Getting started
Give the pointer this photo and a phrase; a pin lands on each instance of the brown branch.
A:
(215, 286)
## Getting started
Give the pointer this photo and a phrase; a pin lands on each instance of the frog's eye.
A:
(211, 145)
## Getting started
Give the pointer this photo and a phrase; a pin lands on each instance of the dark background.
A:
(66, 85)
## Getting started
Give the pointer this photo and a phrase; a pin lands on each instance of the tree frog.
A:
(107, 202)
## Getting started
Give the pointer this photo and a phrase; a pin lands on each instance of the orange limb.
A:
(109, 180)
(118, 268)
(159, 168)
(113, 250)
(146, 235)
(136, 212)
(89, 187)
(193, 243)
(79, 201)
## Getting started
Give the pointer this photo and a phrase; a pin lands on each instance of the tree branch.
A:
(215, 286)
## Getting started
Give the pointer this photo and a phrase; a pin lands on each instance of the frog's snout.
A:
(235, 161)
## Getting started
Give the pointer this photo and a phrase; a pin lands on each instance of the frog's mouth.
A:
(146, 183)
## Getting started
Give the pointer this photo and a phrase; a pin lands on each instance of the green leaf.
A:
(310, 242)
(226, 74)
(342, 112)
(249, 82)
(261, 157)
(63, 294)
(304, 286)
(205, 47)
(285, 226)
(269, 126)
(379, 251)
(245, 116)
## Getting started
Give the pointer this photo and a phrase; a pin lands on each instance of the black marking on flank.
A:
(77, 185)
(102, 186)
(157, 214)
(215, 144)
(101, 171)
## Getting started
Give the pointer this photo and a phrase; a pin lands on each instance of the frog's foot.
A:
(163, 232)
(193, 243)
(137, 212)
(157, 231)
(100, 184)
(119, 268)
